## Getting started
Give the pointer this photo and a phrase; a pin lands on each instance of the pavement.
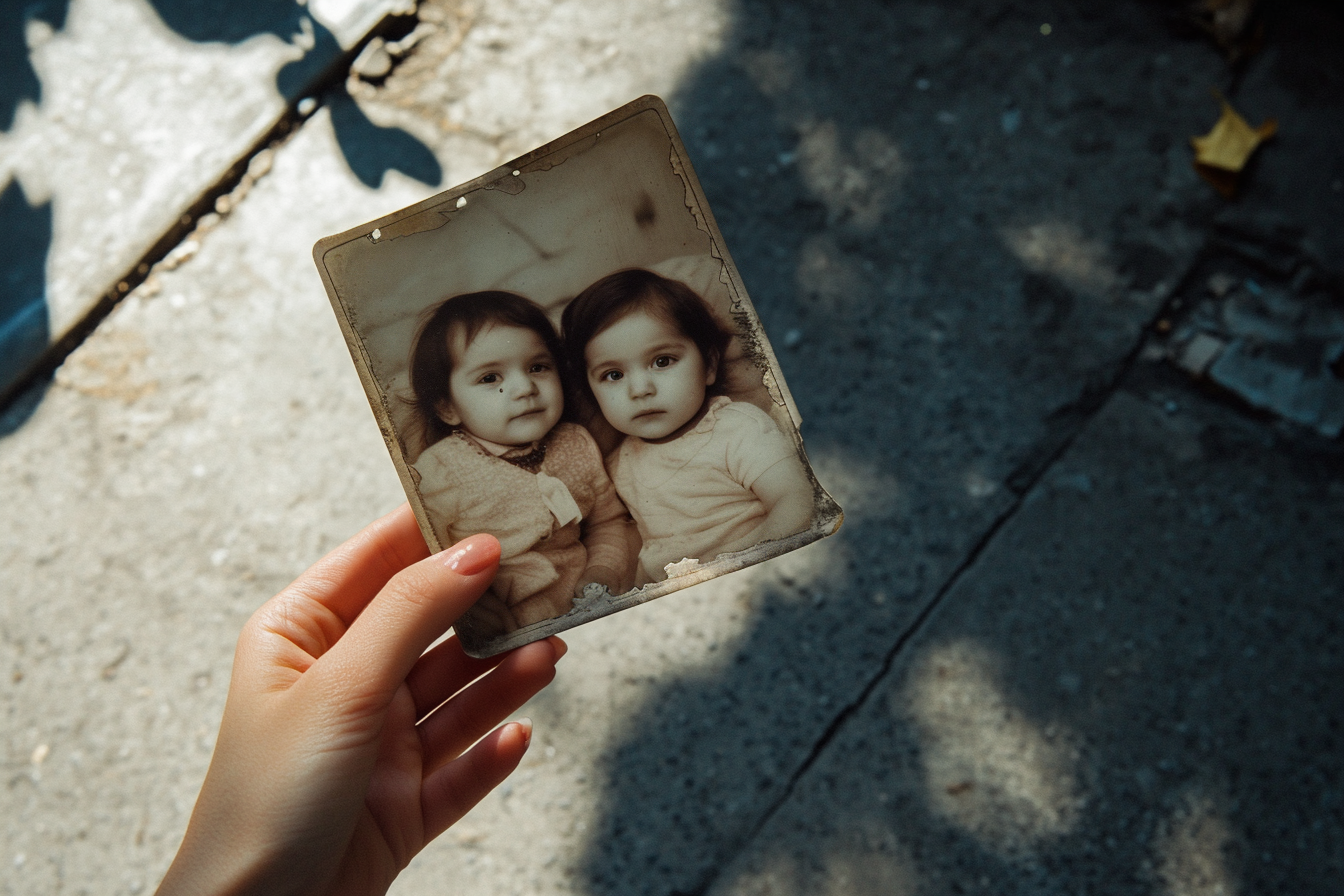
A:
(1081, 630)
(125, 120)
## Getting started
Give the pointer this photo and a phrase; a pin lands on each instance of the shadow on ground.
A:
(956, 228)
(370, 150)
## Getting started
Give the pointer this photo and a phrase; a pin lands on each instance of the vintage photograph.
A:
(562, 354)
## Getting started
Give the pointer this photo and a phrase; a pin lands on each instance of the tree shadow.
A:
(24, 324)
(24, 327)
(370, 150)
(867, 163)
(18, 81)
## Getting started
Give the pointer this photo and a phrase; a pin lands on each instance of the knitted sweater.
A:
(551, 525)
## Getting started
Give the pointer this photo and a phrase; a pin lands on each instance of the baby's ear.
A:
(711, 371)
(447, 413)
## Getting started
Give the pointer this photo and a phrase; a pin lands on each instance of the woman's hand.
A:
(338, 758)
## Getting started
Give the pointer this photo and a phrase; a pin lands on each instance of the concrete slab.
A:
(1101, 705)
(118, 116)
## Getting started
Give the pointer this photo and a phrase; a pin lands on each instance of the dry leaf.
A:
(1222, 153)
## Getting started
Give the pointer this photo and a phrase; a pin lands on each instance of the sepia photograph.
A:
(562, 354)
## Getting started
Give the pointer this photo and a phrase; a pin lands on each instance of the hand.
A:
(335, 762)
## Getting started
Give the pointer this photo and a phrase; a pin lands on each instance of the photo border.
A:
(435, 212)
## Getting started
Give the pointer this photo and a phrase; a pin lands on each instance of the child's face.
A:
(649, 379)
(504, 386)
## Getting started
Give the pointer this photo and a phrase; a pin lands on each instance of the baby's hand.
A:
(608, 578)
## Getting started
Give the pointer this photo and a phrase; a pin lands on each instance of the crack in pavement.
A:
(285, 125)
(1083, 409)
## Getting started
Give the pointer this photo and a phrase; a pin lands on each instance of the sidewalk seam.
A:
(285, 124)
(1088, 403)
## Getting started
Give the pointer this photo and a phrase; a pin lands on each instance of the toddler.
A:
(701, 474)
(486, 379)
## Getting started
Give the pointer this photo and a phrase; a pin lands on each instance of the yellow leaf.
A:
(1230, 144)
(1223, 152)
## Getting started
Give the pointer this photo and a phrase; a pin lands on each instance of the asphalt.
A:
(1081, 629)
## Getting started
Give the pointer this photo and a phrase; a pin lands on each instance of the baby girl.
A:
(702, 474)
(487, 385)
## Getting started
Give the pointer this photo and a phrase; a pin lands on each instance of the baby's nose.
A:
(640, 384)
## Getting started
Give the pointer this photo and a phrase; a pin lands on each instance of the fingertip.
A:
(559, 646)
(451, 790)
(512, 741)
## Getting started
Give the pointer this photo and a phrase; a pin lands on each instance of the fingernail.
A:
(472, 555)
(526, 725)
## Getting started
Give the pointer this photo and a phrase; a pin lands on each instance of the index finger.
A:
(348, 577)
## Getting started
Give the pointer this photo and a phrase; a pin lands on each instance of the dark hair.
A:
(615, 295)
(432, 360)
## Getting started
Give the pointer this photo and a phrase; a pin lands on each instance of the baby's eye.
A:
(609, 376)
(489, 378)
(664, 361)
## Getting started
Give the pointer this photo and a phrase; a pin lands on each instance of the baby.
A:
(701, 474)
(487, 385)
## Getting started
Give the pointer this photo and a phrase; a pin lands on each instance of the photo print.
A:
(561, 353)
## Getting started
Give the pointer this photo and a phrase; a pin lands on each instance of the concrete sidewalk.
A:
(1080, 632)
(124, 121)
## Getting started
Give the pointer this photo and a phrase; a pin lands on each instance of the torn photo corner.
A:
(561, 353)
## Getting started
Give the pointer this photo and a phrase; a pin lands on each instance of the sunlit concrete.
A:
(1061, 249)
(1193, 850)
(989, 767)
